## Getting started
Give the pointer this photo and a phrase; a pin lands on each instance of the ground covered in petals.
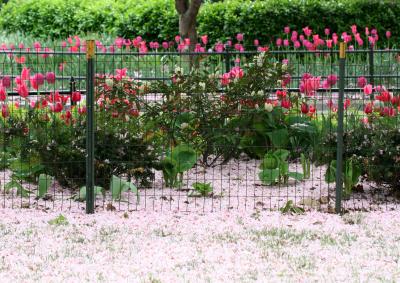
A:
(234, 246)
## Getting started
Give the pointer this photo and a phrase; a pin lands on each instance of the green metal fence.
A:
(148, 145)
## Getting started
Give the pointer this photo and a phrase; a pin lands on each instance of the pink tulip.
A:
(37, 80)
(23, 90)
(279, 42)
(25, 74)
(294, 36)
(361, 82)
(286, 43)
(368, 89)
(327, 31)
(329, 43)
(225, 79)
(50, 77)
(256, 42)
(119, 42)
(335, 38)
(332, 79)
(371, 40)
(354, 29)
(286, 30)
(219, 47)
(307, 31)
(388, 34)
(120, 73)
(204, 39)
(6, 81)
(366, 31)
(236, 72)
(239, 37)
(165, 45)
(37, 46)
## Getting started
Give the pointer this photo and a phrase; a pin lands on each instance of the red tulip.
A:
(76, 96)
(134, 112)
(57, 107)
(285, 103)
(368, 108)
(304, 108)
(3, 94)
(4, 111)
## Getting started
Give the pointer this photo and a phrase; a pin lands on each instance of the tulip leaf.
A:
(45, 182)
(81, 196)
(118, 185)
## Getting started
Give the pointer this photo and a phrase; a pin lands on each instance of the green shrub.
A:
(157, 19)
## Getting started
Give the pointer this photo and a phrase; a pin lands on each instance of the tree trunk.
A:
(187, 29)
(187, 21)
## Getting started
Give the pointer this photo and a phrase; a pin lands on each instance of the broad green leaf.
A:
(269, 176)
(45, 182)
(281, 154)
(279, 138)
(296, 176)
(270, 161)
(184, 156)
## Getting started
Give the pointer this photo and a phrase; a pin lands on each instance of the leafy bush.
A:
(218, 125)
(371, 149)
(155, 19)
(58, 142)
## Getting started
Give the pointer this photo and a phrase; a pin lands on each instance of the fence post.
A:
(72, 88)
(339, 152)
(371, 64)
(90, 57)
(227, 60)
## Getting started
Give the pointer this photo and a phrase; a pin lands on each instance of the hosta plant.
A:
(275, 168)
(181, 158)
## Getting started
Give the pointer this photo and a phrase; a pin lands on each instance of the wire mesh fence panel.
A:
(198, 131)
(42, 139)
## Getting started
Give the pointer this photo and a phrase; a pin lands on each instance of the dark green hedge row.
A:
(157, 19)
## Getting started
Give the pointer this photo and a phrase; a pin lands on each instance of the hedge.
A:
(158, 20)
